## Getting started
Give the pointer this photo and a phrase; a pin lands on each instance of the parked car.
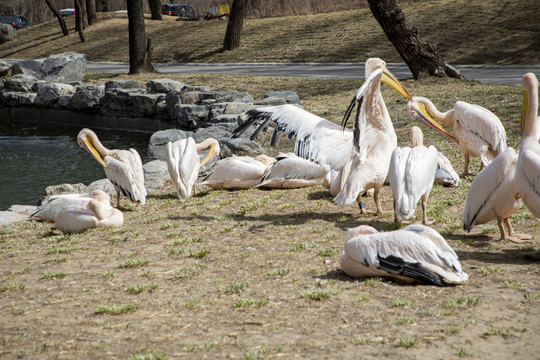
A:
(17, 21)
(184, 11)
(67, 12)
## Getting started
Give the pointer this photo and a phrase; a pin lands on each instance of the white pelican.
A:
(183, 162)
(75, 218)
(494, 195)
(477, 130)
(445, 173)
(366, 150)
(238, 172)
(412, 171)
(291, 171)
(122, 167)
(55, 204)
(416, 253)
(528, 168)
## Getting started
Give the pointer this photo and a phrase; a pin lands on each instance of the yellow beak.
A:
(92, 150)
(210, 155)
(389, 79)
(435, 125)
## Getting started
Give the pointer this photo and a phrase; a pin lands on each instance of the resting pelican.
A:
(445, 173)
(494, 195)
(291, 171)
(416, 253)
(96, 213)
(55, 204)
(477, 130)
(366, 150)
(238, 172)
(183, 162)
(412, 171)
(528, 168)
(122, 167)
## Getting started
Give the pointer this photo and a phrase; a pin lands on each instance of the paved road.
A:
(509, 75)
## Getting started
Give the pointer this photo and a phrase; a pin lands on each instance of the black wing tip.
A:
(397, 266)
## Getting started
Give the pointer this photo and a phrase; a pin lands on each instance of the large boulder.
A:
(49, 94)
(60, 68)
(87, 97)
(20, 82)
(164, 85)
(7, 33)
(158, 140)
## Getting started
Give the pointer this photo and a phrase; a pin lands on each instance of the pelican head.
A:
(417, 137)
(417, 109)
(100, 195)
(86, 139)
(388, 78)
(360, 230)
(528, 82)
(265, 159)
(212, 152)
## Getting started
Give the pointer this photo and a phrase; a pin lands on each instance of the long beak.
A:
(435, 125)
(92, 150)
(389, 79)
(210, 155)
(524, 110)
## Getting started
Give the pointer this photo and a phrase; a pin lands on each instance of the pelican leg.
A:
(396, 218)
(118, 192)
(466, 166)
(501, 228)
(517, 238)
(424, 219)
(377, 202)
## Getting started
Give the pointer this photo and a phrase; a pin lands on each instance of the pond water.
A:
(32, 158)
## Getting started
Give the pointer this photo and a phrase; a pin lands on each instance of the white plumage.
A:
(76, 219)
(412, 171)
(122, 167)
(55, 204)
(445, 173)
(291, 171)
(415, 253)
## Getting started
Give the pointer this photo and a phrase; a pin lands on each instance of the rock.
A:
(190, 116)
(8, 217)
(7, 33)
(87, 97)
(20, 82)
(223, 118)
(67, 189)
(271, 101)
(289, 96)
(164, 85)
(242, 146)
(48, 94)
(59, 68)
(238, 108)
(121, 84)
(16, 99)
(158, 140)
(156, 176)
(103, 185)
(4, 68)
(28, 67)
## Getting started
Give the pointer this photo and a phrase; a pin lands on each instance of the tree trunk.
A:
(103, 5)
(139, 61)
(58, 16)
(235, 25)
(419, 56)
(155, 9)
(91, 11)
(79, 19)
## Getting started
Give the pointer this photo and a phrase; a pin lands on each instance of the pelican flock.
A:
(122, 167)
(183, 162)
(477, 130)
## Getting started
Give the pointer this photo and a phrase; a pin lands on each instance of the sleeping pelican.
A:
(445, 173)
(528, 168)
(55, 204)
(238, 172)
(477, 130)
(366, 151)
(122, 167)
(416, 253)
(412, 171)
(291, 171)
(494, 195)
(183, 162)
(75, 218)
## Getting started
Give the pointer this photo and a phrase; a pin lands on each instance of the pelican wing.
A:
(420, 172)
(530, 166)
(317, 139)
(445, 173)
(396, 177)
(120, 172)
(289, 167)
(483, 123)
(183, 165)
(239, 170)
(484, 185)
(53, 205)
(136, 164)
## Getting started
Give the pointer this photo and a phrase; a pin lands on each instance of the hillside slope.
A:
(463, 32)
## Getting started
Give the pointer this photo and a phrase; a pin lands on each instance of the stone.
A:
(164, 85)
(5, 67)
(156, 176)
(28, 67)
(238, 108)
(20, 82)
(15, 99)
(224, 118)
(190, 116)
(242, 146)
(290, 97)
(87, 97)
(158, 140)
(48, 94)
(9, 217)
(58, 68)
(121, 84)
(271, 101)
(104, 185)
(7, 33)
(79, 188)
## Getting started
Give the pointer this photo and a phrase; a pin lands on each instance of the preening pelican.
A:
(96, 213)
(238, 172)
(122, 167)
(412, 171)
(55, 204)
(494, 195)
(183, 162)
(367, 149)
(291, 171)
(416, 253)
(528, 168)
(445, 173)
(477, 130)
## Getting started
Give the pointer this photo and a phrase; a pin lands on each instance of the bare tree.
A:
(155, 9)
(139, 47)
(79, 22)
(420, 57)
(58, 16)
(235, 25)
(91, 11)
